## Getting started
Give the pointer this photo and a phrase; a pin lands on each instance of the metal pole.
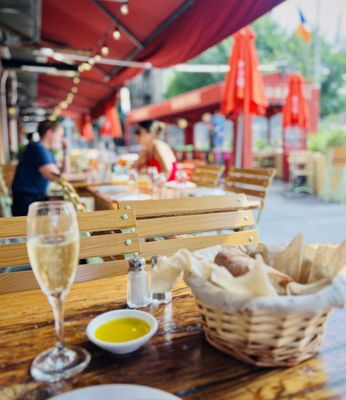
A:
(4, 142)
(318, 45)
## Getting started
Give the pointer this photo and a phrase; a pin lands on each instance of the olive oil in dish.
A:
(122, 330)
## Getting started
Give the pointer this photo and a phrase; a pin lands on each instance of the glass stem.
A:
(58, 310)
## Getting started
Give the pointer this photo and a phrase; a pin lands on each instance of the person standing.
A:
(37, 167)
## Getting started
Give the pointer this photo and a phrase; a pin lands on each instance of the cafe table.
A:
(177, 359)
(107, 196)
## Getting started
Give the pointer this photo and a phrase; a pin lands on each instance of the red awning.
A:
(163, 33)
(193, 104)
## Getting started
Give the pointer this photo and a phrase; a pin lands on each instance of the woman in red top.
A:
(156, 153)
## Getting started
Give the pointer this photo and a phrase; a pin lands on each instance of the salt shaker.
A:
(163, 297)
(137, 284)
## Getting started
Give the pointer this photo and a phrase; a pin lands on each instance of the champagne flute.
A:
(53, 248)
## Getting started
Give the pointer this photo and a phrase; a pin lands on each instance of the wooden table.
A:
(107, 201)
(178, 359)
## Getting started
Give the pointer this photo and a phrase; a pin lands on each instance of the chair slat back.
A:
(70, 194)
(116, 238)
(338, 157)
(252, 181)
(165, 226)
(8, 171)
(207, 175)
(3, 186)
(188, 205)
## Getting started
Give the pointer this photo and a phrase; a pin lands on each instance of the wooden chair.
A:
(70, 194)
(5, 198)
(207, 175)
(113, 242)
(192, 223)
(301, 171)
(8, 171)
(336, 163)
(254, 182)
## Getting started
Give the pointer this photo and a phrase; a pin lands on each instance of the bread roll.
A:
(236, 261)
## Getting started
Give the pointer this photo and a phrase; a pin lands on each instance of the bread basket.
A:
(245, 316)
(263, 338)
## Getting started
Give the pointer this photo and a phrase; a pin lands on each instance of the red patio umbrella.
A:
(295, 110)
(294, 114)
(244, 92)
(111, 126)
(87, 131)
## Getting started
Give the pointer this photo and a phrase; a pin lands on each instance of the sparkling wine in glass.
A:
(53, 248)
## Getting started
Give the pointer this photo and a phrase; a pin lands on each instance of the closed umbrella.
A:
(295, 110)
(111, 125)
(87, 131)
(244, 92)
(295, 114)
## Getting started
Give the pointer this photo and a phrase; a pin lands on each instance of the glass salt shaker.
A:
(137, 284)
(159, 298)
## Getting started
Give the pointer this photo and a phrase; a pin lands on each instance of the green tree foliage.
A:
(275, 45)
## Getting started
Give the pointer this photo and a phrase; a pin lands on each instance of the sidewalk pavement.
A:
(286, 214)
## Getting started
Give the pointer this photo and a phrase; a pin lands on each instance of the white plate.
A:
(116, 392)
(130, 196)
(112, 188)
(180, 185)
(208, 192)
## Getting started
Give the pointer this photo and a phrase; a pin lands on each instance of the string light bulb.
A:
(74, 90)
(124, 8)
(76, 80)
(105, 50)
(97, 58)
(91, 61)
(116, 34)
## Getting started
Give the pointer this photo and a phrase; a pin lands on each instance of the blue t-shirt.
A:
(28, 178)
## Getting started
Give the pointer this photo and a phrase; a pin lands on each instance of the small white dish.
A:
(117, 392)
(121, 347)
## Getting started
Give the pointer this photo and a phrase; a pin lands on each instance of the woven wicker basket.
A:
(264, 339)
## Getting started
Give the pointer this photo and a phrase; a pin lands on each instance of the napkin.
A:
(317, 277)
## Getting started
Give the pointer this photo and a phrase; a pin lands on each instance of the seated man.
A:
(36, 167)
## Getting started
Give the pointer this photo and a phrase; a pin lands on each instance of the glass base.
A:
(54, 365)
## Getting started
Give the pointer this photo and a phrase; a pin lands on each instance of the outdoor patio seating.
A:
(301, 171)
(336, 164)
(5, 198)
(117, 239)
(254, 182)
(207, 175)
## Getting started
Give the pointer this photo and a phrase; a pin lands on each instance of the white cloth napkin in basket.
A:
(319, 274)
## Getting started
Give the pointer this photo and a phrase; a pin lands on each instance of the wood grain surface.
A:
(177, 359)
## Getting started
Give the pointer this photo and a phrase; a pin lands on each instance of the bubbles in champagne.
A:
(54, 259)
